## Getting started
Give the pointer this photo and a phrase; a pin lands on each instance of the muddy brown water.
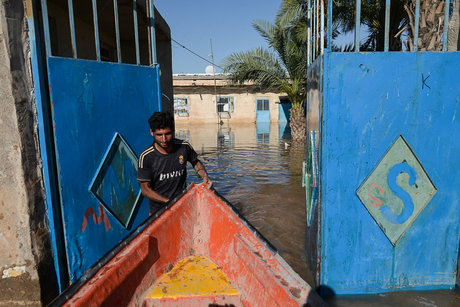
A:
(261, 176)
(258, 170)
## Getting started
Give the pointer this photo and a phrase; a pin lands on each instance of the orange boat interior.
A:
(198, 252)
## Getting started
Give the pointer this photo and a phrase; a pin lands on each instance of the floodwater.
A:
(258, 170)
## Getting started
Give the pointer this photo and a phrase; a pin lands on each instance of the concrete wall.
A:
(200, 92)
(24, 254)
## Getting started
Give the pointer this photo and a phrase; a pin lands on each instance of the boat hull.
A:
(199, 223)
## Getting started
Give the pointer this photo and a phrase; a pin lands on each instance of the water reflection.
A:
(257, 169)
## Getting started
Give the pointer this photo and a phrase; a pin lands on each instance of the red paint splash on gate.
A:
(97, 219)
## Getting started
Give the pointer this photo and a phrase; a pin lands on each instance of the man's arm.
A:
(201, 171)
(151, 194)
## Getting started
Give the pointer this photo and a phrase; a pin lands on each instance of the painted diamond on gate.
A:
(397, 191)
(115, 183)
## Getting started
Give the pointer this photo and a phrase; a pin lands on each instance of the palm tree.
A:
(373, 22)
(431, 24)
(283, 66)
(293, 15)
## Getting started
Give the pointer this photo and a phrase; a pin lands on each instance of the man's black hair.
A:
(161, 120)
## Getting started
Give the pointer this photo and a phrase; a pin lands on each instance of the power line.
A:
(195, 53)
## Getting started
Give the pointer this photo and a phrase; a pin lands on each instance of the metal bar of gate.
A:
(317, 29)
(446, 25)
(46, 28)
(136, 32)
(322, 27)
(313, 29)
(309, 48)
(329, 24)
(96, 31)
(387, 25)
(117, 29)
(417, 17)
(357, 24)
(152, 32)
(72, 29)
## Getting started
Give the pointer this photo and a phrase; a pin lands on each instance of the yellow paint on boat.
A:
(192, 276)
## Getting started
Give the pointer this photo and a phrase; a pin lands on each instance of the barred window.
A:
(263, 105)
(225, 104)
(181, 106)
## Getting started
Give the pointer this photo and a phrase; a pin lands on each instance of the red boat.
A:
(197, 252)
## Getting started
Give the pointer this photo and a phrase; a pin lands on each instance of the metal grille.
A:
(320, 33)
(131, 24)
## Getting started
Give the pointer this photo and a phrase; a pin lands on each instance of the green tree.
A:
(293, 13)
(431, 24)
(283, 66)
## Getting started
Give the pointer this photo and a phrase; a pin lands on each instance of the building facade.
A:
(212, 99)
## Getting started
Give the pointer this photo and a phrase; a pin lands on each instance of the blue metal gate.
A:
(383, 169)
(99, 113)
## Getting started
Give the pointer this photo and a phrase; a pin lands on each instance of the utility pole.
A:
(215, 84)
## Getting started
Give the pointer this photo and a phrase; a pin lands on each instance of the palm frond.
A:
(284, 64)
(265, 29)
(259, 65)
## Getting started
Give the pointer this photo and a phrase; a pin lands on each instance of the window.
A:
(225, 104)
(181, 106)
(263, 105)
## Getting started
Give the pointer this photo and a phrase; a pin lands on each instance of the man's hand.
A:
(201, 171)
(151, 194)
(207, 182)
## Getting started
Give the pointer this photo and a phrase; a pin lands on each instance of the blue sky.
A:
(227, 23)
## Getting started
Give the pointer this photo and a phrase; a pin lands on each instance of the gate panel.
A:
(100, 113)
(389, 205)
(388, 214)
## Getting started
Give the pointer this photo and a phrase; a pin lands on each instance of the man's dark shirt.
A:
(166, 172)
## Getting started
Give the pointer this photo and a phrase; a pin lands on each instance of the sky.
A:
(227, 23)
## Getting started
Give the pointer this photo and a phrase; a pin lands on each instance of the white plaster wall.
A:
(202, 108)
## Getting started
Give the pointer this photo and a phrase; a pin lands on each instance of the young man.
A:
(163, 166)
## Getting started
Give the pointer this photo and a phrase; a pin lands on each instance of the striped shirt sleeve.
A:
(144, 171)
